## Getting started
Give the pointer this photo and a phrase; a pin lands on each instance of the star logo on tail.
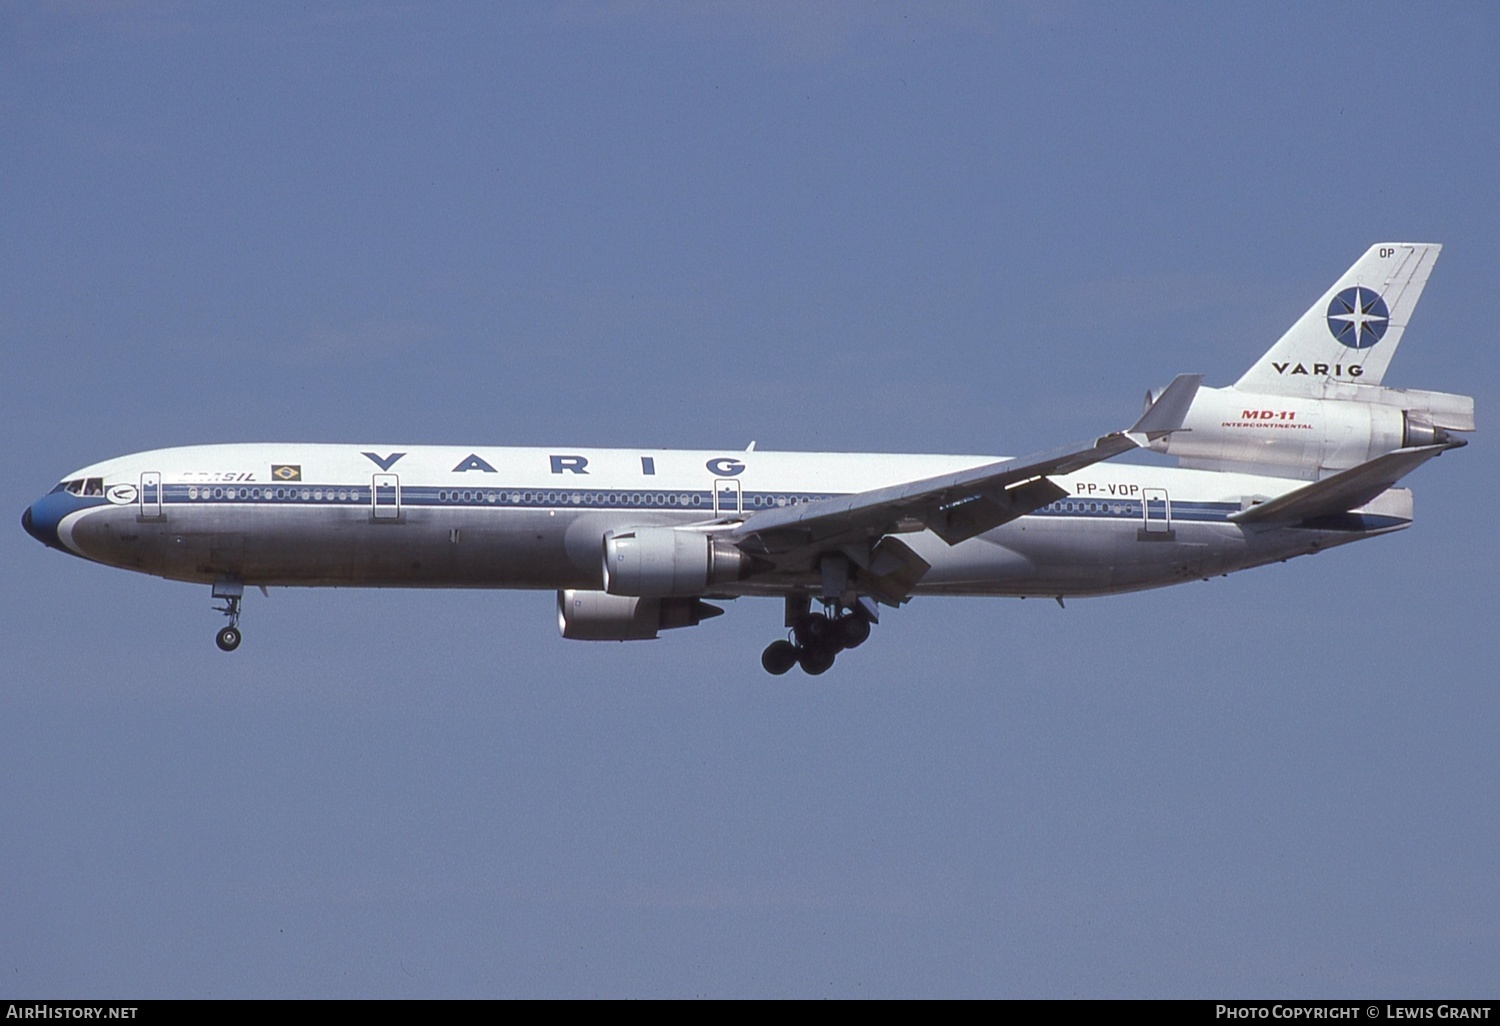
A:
(1358, 317)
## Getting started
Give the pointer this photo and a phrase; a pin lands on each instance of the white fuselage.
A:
(443, 516)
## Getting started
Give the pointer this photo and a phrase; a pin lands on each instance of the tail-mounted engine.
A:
(1228, 429)
(663, 561)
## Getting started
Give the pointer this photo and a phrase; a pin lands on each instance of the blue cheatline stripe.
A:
(689, 500)
(1130, 509)
(692, 501)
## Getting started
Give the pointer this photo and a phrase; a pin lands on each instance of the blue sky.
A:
(929, 228)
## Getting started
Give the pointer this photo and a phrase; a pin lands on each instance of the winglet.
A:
(1168, 412)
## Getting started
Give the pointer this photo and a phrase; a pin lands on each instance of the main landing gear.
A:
(817, 638)
(228, 639)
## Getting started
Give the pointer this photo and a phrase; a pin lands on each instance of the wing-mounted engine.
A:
(670, 561)
(1308, 437)
(596, 616)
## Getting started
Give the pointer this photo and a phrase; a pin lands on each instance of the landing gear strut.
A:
(817, 638)
(228, 639)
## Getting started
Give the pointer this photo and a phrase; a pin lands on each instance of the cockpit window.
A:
(82, 486)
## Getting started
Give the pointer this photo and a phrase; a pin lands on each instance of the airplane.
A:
(1301, 454)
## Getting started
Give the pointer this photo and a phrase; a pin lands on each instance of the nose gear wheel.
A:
(228, 639)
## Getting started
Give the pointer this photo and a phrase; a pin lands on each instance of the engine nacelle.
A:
(595, 616)
(1227, 429)
(662, 561)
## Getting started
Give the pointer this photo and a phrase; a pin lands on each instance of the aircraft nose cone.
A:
(41, 518)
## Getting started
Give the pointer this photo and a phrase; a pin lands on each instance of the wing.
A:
(955, 507)
(1344, 491)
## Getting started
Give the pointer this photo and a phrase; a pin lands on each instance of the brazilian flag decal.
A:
(286, 471)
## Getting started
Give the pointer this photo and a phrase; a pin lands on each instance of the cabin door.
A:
(726, 497)
(385, 497)
(150, 498)
(1157, 510)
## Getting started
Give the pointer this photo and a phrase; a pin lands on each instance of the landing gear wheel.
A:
(853, 630)
(816, 660)
(813, 630)
(779, 657)
(231, 591)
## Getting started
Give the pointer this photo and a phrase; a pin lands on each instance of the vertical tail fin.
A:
(1351, 333)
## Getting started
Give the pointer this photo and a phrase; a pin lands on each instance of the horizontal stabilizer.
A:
(1344, 491)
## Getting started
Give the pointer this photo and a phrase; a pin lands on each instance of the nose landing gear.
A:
(818, 638)
(228, 639)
